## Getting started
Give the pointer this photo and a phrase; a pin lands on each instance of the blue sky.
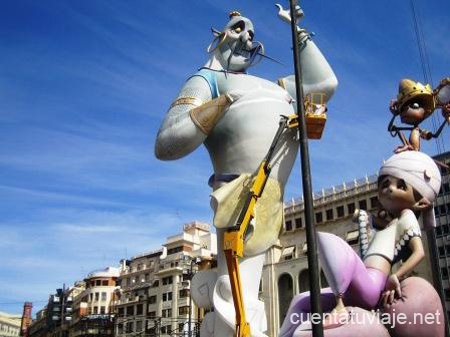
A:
(84, 86)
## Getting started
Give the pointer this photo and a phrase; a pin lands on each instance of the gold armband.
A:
(207, 115)
(187, 100)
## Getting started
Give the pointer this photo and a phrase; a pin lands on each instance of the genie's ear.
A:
(215, 32)
(421, 205)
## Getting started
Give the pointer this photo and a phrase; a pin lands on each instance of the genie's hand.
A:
(391, 289)
(285, 14)
(393, 107)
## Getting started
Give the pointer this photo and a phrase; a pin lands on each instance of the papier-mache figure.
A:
(236, 115)
(416, 102)
(408, 184)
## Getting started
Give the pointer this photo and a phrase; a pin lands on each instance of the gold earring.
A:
(222, 37)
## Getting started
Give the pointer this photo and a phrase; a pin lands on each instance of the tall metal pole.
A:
(313, 265)
(190, 301)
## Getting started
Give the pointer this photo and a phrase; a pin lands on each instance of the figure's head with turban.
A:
(410, 180)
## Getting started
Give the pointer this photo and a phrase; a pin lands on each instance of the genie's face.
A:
(237, 53)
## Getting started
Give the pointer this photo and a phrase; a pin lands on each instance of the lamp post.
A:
(193, 261)
(313, 264)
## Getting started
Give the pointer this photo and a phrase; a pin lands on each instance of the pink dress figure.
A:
(408, 185)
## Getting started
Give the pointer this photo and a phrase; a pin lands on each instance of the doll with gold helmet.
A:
(416, 102)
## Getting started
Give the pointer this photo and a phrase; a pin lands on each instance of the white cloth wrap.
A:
(421, 172)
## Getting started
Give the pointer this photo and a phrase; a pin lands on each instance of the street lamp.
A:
(190, 273)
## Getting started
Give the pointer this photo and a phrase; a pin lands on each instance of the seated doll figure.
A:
(408, 184)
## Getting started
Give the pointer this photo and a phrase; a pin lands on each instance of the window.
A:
(340, 211)
(329, 214)
(152, 299)
(167, 280)
(130, 310)
(438, 231)
(105, 283)
(104, 296)
(363, 204)
(138, 326)
(95, 310)
(447, 250)
(167, 296)
(352, 237)
(151, 314)
(102, 310)
(298, 223)
(183, 310)
(288, 225)
(447, 294)
(445, 229)
(436, 210)
(129, 327)
(155, 283)
(139, 309)
(166, 313)
(97, 296)
(319, 217)
(351, 208)
(174, 250)
(120, 312)
(184, 293)
(98, 283)
(91, 297)
(181, 328)
(374, 202)
(444, 272)
(166, 329)
(441, 251)
(147, 277)
(442, 209)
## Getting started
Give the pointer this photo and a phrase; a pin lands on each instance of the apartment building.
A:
(442, 212)
(155, 296)
(92, 303)
(9, 324)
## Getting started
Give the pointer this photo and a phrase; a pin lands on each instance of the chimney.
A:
(26, 318)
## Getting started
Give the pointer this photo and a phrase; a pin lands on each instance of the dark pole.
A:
(436, 272)
(190, 300)
(313, 265)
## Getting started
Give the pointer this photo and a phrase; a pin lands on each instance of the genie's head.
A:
(234, 47)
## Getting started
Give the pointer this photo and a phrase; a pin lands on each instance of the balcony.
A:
(181, 237)
(168, 270)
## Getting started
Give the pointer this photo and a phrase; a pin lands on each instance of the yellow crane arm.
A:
(234, 237)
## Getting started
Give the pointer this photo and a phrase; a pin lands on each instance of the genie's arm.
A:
(178, 134)
(317, 75)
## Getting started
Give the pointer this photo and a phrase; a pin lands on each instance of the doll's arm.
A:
(416, 247)
(393, 283)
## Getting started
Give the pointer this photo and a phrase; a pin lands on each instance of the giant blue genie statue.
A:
(236, 115)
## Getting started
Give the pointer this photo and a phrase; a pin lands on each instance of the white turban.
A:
(421, 172)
